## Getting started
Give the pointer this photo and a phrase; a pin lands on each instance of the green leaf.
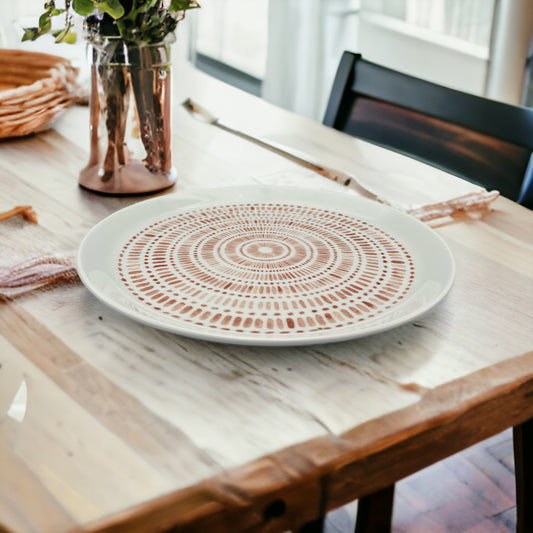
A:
(182, 5)
(65, 36)
(30, 34)
(45, 23)
(52, 10)
(83, 7)
(112, 7)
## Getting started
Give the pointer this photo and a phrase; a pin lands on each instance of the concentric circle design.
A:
(266, 269)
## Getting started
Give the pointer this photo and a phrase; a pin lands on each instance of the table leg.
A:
(523, 459)
(313, 527)
(374, 512)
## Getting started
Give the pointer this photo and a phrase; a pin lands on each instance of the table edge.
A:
(300, 483)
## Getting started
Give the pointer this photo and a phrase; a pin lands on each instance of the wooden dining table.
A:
(107, 424)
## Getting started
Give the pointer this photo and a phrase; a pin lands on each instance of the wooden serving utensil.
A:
(473, 202)
(305, 160)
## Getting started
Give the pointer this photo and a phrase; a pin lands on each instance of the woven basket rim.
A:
(35, 88)
(23, 67)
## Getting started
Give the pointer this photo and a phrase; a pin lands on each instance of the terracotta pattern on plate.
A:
(266, 268)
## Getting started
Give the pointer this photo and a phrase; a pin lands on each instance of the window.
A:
(443, 41)
(466, 20)
(231, 41)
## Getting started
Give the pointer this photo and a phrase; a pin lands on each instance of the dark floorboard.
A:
(470, 492)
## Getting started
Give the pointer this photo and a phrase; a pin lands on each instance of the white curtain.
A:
(511, 38)
(305, 43)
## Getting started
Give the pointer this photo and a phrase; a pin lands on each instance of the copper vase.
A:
(130, 119)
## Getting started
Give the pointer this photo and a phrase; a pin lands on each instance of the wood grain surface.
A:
(109, 425)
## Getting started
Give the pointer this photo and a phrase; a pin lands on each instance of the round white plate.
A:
(266, 265)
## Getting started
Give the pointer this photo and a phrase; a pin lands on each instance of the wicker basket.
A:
(34, 88)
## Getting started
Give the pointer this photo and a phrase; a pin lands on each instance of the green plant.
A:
(129, 40)
(135, 21)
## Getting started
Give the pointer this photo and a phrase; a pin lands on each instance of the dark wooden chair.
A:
(483, 141)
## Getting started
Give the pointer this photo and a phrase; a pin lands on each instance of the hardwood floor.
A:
(470, 492)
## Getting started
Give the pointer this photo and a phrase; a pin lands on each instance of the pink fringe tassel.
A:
(37, 273)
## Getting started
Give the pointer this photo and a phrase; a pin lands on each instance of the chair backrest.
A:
(483, 141)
